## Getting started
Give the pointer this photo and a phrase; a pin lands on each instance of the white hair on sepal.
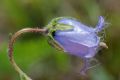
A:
(101, 28)
(106, 25)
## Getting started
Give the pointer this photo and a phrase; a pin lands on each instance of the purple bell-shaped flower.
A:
(78, 39)
(73, 37)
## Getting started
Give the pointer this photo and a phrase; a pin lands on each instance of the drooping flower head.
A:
(74, 37)
(68, 35)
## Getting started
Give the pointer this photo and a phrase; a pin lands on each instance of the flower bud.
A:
(71, 36)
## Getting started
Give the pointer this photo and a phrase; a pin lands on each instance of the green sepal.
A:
(63, 27)
(54, 26)
(55, 44)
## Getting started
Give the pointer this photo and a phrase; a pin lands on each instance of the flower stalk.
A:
(23, 76)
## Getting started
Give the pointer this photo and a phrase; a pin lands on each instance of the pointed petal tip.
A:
(101, 24)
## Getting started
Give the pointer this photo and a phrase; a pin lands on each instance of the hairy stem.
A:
(10, 50)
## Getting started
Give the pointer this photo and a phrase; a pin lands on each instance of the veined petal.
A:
(76, 48)
(88, 39)
(78, 25)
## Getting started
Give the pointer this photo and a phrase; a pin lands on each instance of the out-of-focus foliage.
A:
(42, 62)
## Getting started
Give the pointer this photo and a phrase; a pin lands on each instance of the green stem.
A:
(10, 51)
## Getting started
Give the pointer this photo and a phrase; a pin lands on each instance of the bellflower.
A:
(69, 35)
(74, 37)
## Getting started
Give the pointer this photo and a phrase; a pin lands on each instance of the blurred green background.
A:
(42, 62)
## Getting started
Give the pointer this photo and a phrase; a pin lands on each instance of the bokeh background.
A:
(42, 62)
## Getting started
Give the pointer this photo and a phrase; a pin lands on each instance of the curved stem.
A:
(10, 51)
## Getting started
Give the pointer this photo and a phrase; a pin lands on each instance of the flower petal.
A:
(101, 24)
